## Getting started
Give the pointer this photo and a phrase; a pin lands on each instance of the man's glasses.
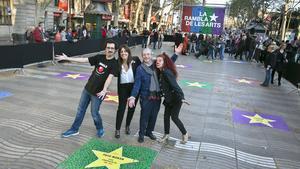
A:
(110, 48)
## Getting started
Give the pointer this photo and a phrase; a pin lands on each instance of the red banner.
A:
(127, 12)
(63, 5)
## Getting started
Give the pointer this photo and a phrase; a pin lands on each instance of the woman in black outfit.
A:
(127, 69)
(173, 95)
(280, 60)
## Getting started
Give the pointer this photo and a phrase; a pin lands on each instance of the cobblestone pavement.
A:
(39, 106)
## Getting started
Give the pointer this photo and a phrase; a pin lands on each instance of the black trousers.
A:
(172, 111)
(124, 91)
(279, 75)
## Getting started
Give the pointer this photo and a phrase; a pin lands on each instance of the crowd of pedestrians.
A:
(243, 46)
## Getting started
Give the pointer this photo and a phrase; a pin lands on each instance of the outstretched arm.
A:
(136, 87)
(178, 51)
(102, 94)
(65, 57)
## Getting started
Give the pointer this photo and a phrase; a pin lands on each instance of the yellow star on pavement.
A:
(73, 76)
(196, 84)
(258, 119)
(244, 81)
(111, 160)
(112, 98)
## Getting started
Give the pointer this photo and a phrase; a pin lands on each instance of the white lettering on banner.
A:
(202, 20)
(203, 24)
(195, 18)
(202, 14)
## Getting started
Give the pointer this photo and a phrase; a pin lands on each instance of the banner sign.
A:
(127, 12)
(199, 19)
(63, 5)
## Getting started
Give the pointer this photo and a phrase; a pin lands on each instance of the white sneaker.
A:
(164, 138)
(185, 138)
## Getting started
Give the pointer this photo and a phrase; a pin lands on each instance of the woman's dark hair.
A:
(168, 63)
(129, 59)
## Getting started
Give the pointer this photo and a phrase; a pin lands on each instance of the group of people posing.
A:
(146, 80)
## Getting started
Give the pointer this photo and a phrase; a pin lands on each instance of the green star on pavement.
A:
(196, 84)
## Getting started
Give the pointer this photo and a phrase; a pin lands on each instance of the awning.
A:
(97, 9)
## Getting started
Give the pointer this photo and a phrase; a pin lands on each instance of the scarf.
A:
(154, 84)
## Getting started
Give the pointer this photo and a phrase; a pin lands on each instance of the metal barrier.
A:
(11, 57)
(292, 73)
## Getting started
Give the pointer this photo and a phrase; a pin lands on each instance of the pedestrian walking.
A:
(280, 61)
(269, 63)
(145, 35)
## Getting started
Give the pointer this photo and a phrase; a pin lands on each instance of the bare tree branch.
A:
(123, 4)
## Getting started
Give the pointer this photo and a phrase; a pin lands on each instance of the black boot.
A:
(117, 134)
(151, 136)
(127, 130)
(141, 139)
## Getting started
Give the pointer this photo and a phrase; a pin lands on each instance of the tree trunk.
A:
(283, 25)
(137, 14)
(289, 19)
(149, 15)
(162, 14)
(117, 12)
(40, 8)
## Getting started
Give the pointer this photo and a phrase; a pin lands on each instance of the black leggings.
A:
(124, 91)
(172, 110)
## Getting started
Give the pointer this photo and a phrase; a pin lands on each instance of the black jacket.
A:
(270, 60)
(280, 60)
(169, 87)
(135, 63)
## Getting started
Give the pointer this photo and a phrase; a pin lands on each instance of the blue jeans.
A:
(211, 52)
(149, 111)
(193, 47)
(222, 49)
(144, 42)
(154, 44)
(268, 77)
(85, 100)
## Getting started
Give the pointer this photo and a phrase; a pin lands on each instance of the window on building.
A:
(5, 12)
